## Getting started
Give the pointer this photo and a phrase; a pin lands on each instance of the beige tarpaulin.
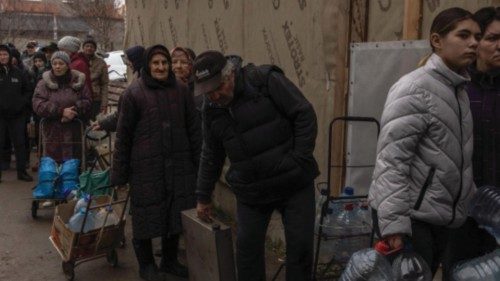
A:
(308, 39)
(386, 16)
(285, 33)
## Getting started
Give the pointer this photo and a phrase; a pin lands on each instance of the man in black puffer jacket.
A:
(15, 92)
(261, 121)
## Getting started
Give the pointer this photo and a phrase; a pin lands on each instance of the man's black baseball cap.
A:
(207, 69)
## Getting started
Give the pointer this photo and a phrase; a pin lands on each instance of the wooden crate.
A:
(74, 246)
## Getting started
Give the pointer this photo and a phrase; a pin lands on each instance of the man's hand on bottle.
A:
(204, 212)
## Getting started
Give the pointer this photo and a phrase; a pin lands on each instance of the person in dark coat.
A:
(61, 97)
(14, 97)
(182, 65)
(133, 59)
(39, 66)
(158, 143)
(71, 45)
(484, 95)
(267, 129)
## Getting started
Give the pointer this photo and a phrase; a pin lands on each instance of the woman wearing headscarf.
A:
(158, 143)
(61, 97)
(182, 65)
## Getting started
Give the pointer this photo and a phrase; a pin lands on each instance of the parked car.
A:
(117, 69)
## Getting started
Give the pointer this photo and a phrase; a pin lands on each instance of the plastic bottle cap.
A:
(323, 192)
(349, 207)
(349, 191)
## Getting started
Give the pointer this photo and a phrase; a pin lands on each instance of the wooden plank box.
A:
(75, 246)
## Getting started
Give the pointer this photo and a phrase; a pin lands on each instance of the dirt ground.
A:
(26, 254)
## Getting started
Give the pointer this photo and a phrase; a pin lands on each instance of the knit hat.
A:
(60, 55)
(135, 55)
(52, 46)
(40, 55)
(69, 43)
(89, 39)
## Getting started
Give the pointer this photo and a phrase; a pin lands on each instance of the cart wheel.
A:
(68, 268)
(112, 258)
(34, 209)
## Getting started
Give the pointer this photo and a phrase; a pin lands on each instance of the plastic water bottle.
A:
(346, 227)
(409, 266)
(76, 221)
(367, 265)
(82, 203)
(485, 268)
(319, 205)
(106, 217)
(327, 246)
(348, 191)
(485, 209)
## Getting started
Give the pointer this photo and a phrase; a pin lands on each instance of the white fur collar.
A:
(77, 80)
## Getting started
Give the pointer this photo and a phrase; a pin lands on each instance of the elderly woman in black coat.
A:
(157, 152)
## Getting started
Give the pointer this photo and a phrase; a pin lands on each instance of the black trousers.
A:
(144, 250)
(297, 214)
(16, 128)
(448, 246)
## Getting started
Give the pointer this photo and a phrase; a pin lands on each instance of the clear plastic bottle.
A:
(106, 217)
(346, 227)
(367, 265)
(485, 209)
(485, 268)
(76, 221)
(319, 205)
(82, 203)
(409, 266)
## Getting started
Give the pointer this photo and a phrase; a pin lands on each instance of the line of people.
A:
(20, 81)
(182, 115)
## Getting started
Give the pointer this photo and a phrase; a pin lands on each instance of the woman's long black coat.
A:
(157, 152)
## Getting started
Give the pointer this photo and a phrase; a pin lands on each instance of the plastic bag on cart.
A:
(92, 181)
(47, 179)
(69, 177)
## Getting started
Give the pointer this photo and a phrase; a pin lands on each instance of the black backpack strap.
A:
(258, 76)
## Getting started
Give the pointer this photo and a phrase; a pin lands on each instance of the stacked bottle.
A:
(485, 268)
(485, 209)
(367, 264)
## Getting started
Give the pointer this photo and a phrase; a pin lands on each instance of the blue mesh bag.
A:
(47, 179)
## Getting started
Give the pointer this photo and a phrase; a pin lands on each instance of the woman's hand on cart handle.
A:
(95, 126)
(69, 113)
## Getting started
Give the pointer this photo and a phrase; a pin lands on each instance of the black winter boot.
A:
(147, 266)
(169, 262)
(24, 176)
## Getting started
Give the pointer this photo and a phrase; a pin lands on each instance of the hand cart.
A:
(99, 148)
(77, 248)
(334, 265)
(42, 143)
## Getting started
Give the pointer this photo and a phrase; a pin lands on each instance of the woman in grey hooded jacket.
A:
(422, 182)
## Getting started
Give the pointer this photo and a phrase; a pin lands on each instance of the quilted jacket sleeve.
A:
(404, 120)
